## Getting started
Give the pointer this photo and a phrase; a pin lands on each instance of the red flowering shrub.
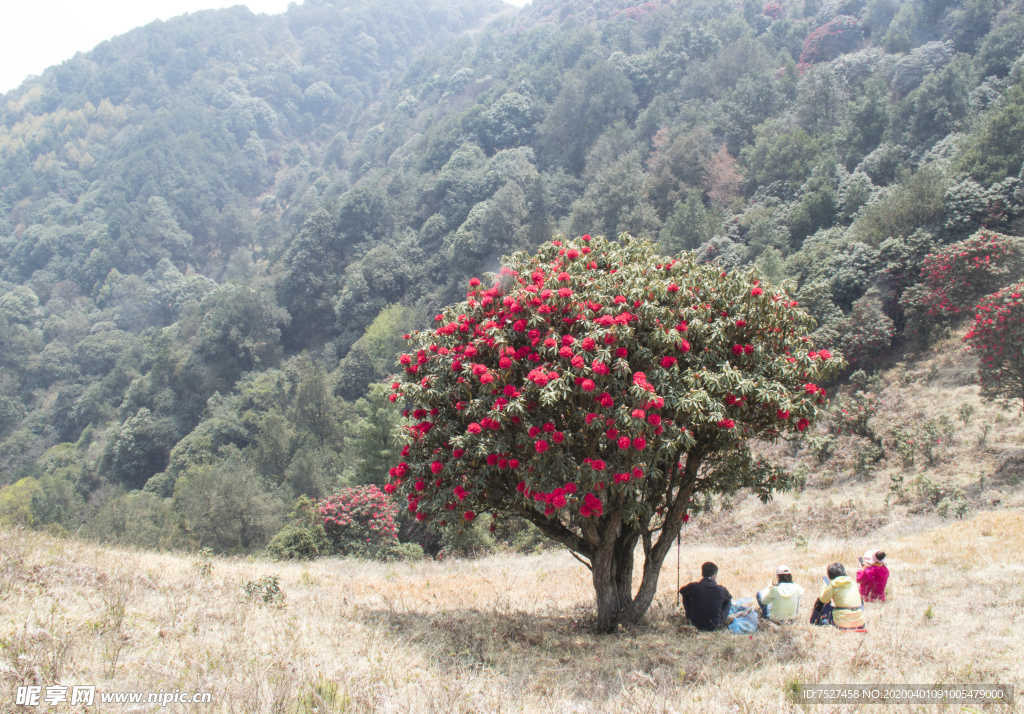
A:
(593, 469)
(996, 337)
(838, 36)
(772, 10)
(360, 521)
(954, 278)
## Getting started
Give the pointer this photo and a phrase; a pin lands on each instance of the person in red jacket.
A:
(873, 577)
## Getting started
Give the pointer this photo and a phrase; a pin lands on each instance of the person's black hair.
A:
(836, 570)
(785, 577)
(708, 570)
(879, 555)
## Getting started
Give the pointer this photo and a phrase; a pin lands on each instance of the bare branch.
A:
(589, 566)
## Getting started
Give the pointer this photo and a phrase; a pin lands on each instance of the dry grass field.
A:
(513, 633)
(505, 633)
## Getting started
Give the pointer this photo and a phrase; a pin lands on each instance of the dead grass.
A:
(506, 633)
(513, 633)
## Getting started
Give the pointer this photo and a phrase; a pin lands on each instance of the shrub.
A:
(266, 591)
(822, 447)
(360, 521)
(904, 441)
(867, 456)
(965, 412)
(850, 415)
(473, 541)
(298, 542)
(996, 337)
(598, 389)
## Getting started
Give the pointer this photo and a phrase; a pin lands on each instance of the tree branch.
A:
(573, 554)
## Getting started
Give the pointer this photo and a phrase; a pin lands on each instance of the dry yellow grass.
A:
(506, 633)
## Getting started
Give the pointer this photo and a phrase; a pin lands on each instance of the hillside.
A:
(215, 230)
(504, 633)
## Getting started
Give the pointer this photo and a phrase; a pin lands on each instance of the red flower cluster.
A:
(555, 366)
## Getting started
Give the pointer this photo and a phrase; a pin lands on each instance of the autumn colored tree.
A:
(597, 389)
(996, 337)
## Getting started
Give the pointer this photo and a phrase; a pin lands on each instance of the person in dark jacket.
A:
(705, 602)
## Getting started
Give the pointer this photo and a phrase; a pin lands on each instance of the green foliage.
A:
(373, 440)
(297, 542)
(138, 520)
(781, 154)
(948, 500)
(867, 332)
(822, 447)
(266, 591)
(373, 355)
(916, 203)
(227, 507)
(965, 411)
(939, 105)
(867, 456)
(852, 414)
(997, 151)
(16, 502)
(690, 225)
(1002, 46)
(473, 541)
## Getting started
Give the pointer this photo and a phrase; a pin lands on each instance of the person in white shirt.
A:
(780, 601)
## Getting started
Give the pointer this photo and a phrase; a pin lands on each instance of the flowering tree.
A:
(996, 336)
(954, 278)
(360, 521)
(597, 389)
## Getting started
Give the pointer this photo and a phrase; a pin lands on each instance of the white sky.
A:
(41, 33)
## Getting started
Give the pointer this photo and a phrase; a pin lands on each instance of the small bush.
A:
(965, 412)
(265, 590)
(304, 538)
(473, 539)
(867, 458)
(905, 443)
(299, 542)
(948, 500)
(822, 447)
(850, 415)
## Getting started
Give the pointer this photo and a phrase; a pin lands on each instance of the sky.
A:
(41, 33)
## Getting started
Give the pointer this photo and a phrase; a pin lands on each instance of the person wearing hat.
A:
(780, 601)
(839, 603)
(873, 577)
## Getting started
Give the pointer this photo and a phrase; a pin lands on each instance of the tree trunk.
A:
(613, 579)
(613, 564)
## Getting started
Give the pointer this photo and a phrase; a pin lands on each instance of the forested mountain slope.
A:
(215, 230)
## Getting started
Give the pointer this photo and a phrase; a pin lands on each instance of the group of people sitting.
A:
(709, 606)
